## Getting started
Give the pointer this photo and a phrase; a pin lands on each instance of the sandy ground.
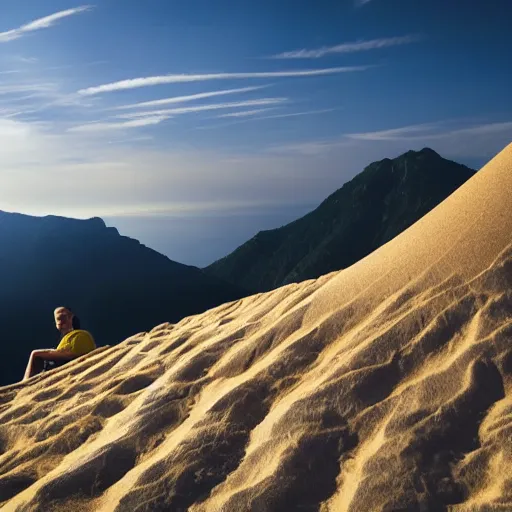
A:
(384, 387)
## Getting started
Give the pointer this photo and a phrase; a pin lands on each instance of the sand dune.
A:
(383, 387)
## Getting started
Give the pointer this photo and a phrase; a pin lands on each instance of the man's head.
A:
(63, 320)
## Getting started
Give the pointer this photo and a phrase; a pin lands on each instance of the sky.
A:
(192, 125)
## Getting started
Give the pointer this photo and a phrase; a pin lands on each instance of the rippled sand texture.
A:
(386, 386)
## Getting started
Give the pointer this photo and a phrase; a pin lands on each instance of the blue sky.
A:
(193, 125)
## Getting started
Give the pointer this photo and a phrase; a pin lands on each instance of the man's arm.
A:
(54, 354)
(47, 353)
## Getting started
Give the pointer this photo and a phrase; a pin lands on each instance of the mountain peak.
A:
(95, 222)
(383, 200)
(430, 151)
(422, 152)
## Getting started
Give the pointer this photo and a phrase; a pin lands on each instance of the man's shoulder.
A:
(82, 333)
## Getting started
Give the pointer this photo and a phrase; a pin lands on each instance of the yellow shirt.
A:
(79, 342)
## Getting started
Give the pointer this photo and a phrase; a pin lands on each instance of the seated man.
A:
(74, 343)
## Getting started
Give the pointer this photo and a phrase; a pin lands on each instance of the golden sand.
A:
(383, 387)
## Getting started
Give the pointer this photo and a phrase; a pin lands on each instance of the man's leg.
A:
(28, 371)
(35, 365)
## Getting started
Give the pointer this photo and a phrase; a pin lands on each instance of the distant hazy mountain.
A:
(117, 286)
(368, 211)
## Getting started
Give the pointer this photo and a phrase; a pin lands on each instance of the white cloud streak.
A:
(295, 114)
(358, 46)
(396, 133)
(185, 99)
(431, 131)
(25, 60)
(418, 132)
(262, 118)
(135, 83)
(23, 88)
(204, 108)
(40, 23)
(485, 129)
(449, 140)
(30, 98)
(136, 123)
(245, 113)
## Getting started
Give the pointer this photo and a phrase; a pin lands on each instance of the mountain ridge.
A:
(102, 275)
(366, 212)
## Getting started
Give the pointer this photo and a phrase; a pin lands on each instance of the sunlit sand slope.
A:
(384, 387)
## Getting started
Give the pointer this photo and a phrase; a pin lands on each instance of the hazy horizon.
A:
(201, 240)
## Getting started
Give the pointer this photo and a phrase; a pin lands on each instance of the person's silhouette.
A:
(74, 343)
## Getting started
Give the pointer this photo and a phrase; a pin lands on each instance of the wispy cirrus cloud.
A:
(431, 131)
(262, 118)
(486, 129)
(135, 83)
(135, 123)
(37, 96)
(295, 114)
(451, 138)
(405, 132)
(11, 72)
(204, 108)
(147, 118)
(24, 60)
(35, 88)
(245, 113)
(358, 46)
(190, 97)
(417, 132)
(40, 23)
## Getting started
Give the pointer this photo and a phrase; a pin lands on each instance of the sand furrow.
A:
(385, 386)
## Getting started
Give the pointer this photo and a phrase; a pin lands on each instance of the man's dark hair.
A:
(75, 322)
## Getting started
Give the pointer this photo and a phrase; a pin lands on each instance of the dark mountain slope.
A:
(116, 285)
(368, 211)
